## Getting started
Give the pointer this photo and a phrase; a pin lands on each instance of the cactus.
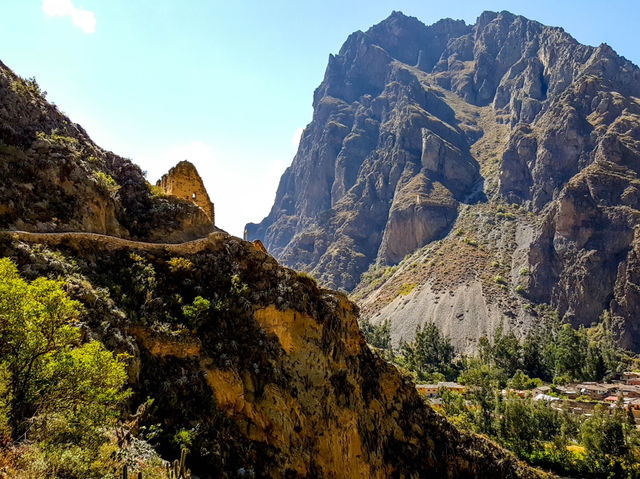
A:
(125, 473)
(177, 470)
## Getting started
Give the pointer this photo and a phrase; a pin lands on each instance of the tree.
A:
(506, 352)
(603, 434)
(35, 322)
(570, 351)
(53, 379)
(430, 352)
(378, 336)
(517, 426)
(482, 382)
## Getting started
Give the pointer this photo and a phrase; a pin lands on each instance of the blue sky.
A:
(227, 84)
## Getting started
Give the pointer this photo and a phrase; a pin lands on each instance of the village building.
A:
(432, 390)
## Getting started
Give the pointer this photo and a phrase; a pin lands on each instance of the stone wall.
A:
(183, 181)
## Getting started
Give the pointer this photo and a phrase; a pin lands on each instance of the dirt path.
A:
(114, 242)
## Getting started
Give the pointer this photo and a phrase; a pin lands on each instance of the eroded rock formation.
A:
(184, 182)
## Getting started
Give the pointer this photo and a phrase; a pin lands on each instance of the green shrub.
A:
(470, 242)
(499, 280)
(59, 140)
(156, 191)
(66, 393)
(406, 288)
(196, 311)
(307, 278)
(178, 264)
(105, 182)
(28, 87)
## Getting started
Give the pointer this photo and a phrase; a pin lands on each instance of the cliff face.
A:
(426, 140)
(56, 179)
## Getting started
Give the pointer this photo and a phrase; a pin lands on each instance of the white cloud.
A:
(295, 139)
(84, 19)
(238, 197)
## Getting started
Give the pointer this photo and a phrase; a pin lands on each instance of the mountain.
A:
(263, 372)
(469, 175)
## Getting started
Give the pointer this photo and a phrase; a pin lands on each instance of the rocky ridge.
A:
(506, 134)
(56, 179)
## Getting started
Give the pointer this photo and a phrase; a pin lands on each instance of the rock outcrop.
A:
(184, 182)
(424, 137)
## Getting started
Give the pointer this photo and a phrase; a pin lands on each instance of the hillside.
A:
(468, 175)
(56, 179)
(251, 365)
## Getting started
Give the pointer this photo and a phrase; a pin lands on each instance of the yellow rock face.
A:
(183, 181)
(290, 423)
(166, 345)
(292, 328)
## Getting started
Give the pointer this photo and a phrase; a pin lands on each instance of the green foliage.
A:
(5, 404)
(28, 87)
(61, 392)
(35, 322)
(556, 349)
(604, 434)
(238, 287)
(59, 140)
(406, 288)
(377, 275)
(470, 242)
(482, 382)
(196, 312)
(605, 444)
(521, 381)
(378, 336)
(499, 280)
(105, 182)
(430, 352)
(179, 264)
(156, 191)
(184, 439)
(506, 352)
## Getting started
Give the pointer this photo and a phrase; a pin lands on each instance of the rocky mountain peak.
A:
(418, 128)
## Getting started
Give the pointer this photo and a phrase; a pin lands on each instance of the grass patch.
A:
(406, 288)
